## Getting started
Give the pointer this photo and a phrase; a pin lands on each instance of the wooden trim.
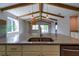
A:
(42, 12)
(65, 6)
(53, 14)
(40, 9)
(43, 20)
(16, 6)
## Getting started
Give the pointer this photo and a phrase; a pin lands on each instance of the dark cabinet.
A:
(70, 50)
(74, 23)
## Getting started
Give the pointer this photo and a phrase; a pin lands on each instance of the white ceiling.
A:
(58, 10)
(73, 4)
(2, 5)
(24, 10)
(55, 10)
(51, 9)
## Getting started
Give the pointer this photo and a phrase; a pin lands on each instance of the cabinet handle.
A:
(70, 50)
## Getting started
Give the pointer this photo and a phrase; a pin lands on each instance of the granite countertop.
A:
(23, 39)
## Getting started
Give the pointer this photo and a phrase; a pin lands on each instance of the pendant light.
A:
(33, 21)
(47, 11)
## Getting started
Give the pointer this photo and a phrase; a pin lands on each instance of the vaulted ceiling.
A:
(53, 10)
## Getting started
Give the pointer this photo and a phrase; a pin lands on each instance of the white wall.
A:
(63, 26)
(23, 26)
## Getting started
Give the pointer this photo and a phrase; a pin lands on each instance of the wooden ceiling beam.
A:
(53, 14)
(65, 6)
(16, 6)
(40, 9)
(45, 17)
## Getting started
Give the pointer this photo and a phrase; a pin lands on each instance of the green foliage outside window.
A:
(11, 26)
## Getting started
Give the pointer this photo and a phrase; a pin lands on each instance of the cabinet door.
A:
(2, 54)
(2, 48)
(52, 53)
(31, 54)
(31, 48)
(73, 23)
(50, 48)
(13, 47)
(14, 53)
(70, 50)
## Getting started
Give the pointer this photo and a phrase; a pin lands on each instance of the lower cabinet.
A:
(14, 53)
(31, 54)
(2, 53)
(29, 50)
(41, 50)
(52, 53)
(2, 50)
(70, 50)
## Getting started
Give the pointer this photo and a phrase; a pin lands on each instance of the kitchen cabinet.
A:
(29, 50)
(52, 53)
(2, 50)
(32, 53)
(14, 53)
(15, 48)
(3, 53)
(74, 23)
(41, 50)
(70, 50)
(50, 50)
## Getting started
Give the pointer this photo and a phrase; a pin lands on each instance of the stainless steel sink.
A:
(40, 39)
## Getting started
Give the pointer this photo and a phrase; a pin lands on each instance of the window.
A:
(35, 27)
(44, 28)
(12, 25)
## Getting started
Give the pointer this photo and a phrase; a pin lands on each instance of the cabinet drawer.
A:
(14, 48)
(70, 50)
(2, 47)
(14, 53)
(31, 47)
(51, 48)
(31, 54)
(51, 53)
(2, 54)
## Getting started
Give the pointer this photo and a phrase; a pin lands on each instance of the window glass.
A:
(35, 27)
(12, 25)
(44, 28)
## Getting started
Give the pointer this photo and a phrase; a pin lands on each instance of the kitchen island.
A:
(18, 45)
